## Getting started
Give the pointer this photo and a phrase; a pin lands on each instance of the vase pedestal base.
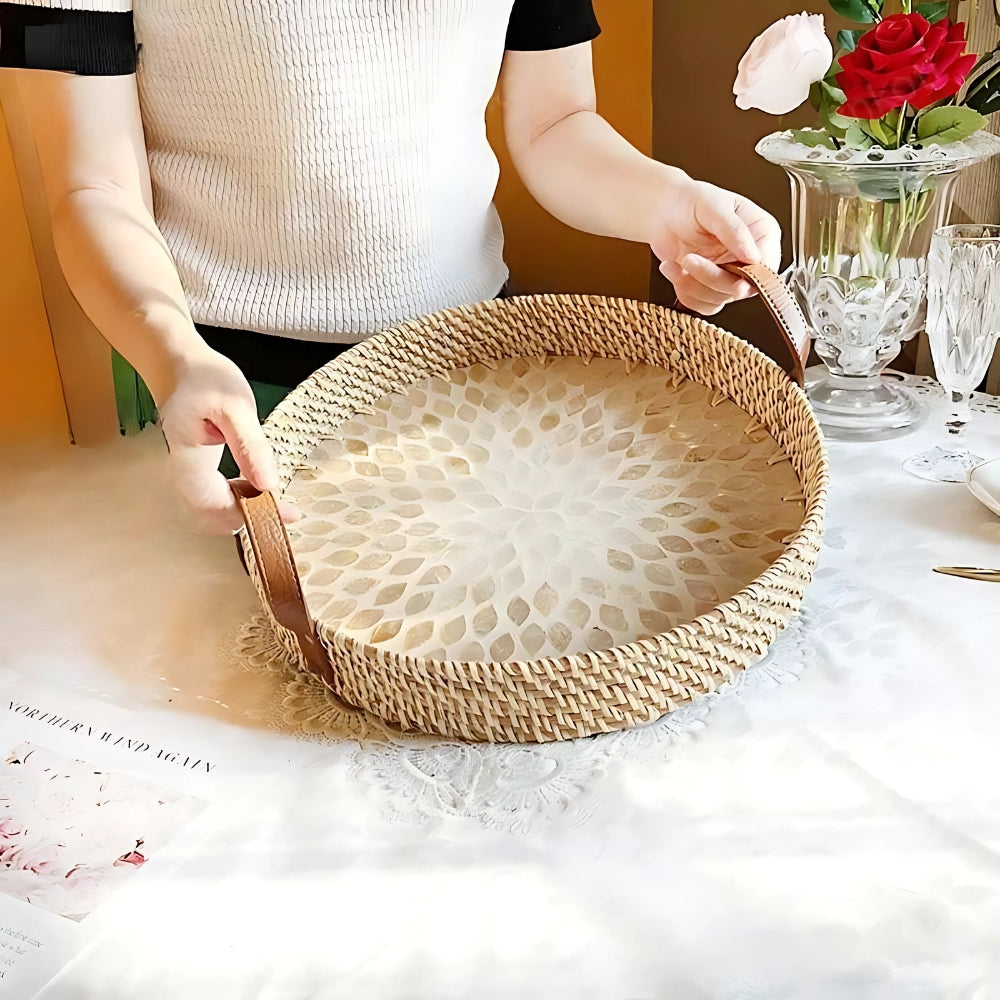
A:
(858, 408)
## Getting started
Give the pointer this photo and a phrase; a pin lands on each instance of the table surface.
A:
(827, 827)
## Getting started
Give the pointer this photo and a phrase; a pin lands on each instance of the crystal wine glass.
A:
(963, 324)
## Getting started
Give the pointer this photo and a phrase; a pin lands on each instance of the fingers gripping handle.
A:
(276, 569)
(784, 309)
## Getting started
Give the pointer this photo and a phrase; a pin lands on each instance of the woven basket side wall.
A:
(578, 695)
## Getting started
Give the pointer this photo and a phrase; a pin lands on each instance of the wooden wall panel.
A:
(31, 402)
(83, 356)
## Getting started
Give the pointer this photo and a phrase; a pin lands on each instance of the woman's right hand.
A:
(210, 405)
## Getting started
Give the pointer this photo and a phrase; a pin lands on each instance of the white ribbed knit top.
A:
(320, 167)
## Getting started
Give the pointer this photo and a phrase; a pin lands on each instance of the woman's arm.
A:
(89, 137)
(590, 177)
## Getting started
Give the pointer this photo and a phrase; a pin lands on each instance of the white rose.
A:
(783, 63)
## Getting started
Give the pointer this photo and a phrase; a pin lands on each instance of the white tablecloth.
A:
(829, 827)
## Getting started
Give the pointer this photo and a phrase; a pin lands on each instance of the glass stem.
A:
(959, 416)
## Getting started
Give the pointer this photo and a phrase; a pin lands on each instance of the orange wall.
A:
(544, 255)
(31, 402)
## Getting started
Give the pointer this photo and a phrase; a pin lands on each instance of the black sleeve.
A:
(86, 42)
(536, 25)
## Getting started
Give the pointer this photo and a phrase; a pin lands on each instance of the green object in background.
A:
(137, 410)
(135, 405)
(267, 398)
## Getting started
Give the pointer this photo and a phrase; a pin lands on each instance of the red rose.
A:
(903, 60)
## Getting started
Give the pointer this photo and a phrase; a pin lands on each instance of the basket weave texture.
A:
(584, 691)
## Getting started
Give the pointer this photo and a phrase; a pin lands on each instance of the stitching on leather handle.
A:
(783, 308)
(280, 581)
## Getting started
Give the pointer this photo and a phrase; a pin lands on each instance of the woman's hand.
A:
(701, 226)
(583, 172)
(211, 405)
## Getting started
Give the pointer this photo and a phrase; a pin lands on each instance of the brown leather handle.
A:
(783, 307)
(785, 310)
(272, 553)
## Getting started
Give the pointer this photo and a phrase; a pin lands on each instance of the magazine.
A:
(95, 799)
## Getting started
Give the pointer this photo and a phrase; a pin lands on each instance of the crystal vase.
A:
(861, 227)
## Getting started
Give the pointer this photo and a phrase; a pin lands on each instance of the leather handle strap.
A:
(272, 553)
(785, 310)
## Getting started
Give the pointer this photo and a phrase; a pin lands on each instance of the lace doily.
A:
(510, 787)
(924, 385)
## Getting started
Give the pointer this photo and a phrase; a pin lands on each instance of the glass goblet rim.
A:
(968, 232)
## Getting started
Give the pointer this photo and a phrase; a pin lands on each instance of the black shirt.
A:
(537, 25)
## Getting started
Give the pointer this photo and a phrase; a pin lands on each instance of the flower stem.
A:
(874, 8)
(887, 213)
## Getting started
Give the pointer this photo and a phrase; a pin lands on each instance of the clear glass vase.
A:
(861, 227)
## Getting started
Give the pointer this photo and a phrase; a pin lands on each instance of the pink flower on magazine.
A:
(39, 856)
(19, 884)
(28, 756)
(82, 889)
(57, 799)
(10, 828)
(133, 858)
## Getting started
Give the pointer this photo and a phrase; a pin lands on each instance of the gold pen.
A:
(970, 573)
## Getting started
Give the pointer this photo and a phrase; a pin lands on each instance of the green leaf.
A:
(831, 99)
(835, 124)
(816, 96)
(881, 132)
(945, 125)
(808, 137)
(990, 106)
(861, 11)
(987, 57)
(984, 90)
(847, 41)
(856, 137)
(933, 11)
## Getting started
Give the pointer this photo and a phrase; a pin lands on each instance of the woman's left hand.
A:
(701, 226)
(588, 176)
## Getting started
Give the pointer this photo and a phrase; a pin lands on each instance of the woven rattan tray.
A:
(541, 518)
